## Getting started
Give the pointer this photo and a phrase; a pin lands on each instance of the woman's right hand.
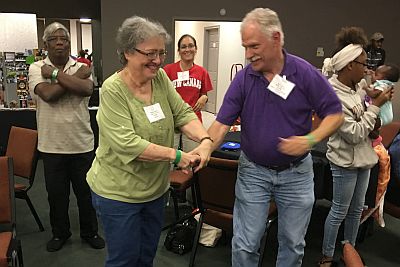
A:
(188, 161)
(383, 97)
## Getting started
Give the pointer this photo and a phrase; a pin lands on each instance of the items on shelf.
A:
(14, 68)
(22, 90)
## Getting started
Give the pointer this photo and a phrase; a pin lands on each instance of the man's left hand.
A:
(294, 145)
(83, 72)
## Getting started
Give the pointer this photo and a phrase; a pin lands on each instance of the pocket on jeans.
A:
(305, 166)
(244, 161)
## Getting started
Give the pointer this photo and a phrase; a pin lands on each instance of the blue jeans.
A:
(132, 230)
(293, 192)
(349, 188)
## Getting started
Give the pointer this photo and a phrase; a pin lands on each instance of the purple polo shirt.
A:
(266, 116)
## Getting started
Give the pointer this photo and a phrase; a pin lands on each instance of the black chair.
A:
(179, 183)
(215, 191)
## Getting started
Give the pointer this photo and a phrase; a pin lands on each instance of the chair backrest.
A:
(217, 189)
(7, 198)
(22, 147)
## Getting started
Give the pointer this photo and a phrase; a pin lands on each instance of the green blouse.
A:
(125, 132)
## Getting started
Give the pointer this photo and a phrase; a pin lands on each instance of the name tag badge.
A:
(183, 75)
(280, 86)
(154, 113)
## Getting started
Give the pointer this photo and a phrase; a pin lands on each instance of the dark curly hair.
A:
(392, 72)
(350, 35)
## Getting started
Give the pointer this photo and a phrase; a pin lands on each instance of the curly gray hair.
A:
(135, 30)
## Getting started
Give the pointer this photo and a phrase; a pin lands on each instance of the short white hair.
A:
(52, 28)
(267, 19)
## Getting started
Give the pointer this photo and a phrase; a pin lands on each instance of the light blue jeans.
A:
(293, 192)
(349, 188)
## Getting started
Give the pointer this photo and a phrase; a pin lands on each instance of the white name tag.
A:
(154, 112)
(280, 86)
(183, 75)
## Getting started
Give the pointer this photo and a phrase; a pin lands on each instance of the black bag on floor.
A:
(180, 237)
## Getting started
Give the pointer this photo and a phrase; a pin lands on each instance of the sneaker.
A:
(96, 241)
(55, 244)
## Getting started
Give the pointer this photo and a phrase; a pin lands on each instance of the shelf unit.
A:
(13, 67)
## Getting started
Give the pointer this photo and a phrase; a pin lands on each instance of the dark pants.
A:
(132, 230)
(60, 170)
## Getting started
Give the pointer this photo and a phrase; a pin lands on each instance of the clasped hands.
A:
(198, 157)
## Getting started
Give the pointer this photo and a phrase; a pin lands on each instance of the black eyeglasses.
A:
(152, 55)
(364, 64)
(189, 46)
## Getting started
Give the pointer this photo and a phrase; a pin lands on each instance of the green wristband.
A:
(311, 140)
(178, 156)
(54, 74)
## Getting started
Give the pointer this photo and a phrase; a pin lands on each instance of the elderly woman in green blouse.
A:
(139, 110)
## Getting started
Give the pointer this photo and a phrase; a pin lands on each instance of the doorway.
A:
(211, 55)
(227, 51)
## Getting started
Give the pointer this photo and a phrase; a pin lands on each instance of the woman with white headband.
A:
(350, 152)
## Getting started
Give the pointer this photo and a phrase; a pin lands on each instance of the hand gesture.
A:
(294, 145)
(201, 102)
(383, 97)
(47, 70)
(83, 72)
(204, 151)
(188, 161)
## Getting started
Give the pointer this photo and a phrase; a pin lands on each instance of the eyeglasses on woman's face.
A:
(364, 64)
(189, 46)
(153, 54)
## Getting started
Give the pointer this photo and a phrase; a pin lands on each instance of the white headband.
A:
(341, 58)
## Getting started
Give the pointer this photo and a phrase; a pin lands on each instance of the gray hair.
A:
(136, 30)
(267, 19)
(52, 28)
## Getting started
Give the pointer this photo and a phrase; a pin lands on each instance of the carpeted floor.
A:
(379, 249)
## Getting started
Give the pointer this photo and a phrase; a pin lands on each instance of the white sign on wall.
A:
(18, 32)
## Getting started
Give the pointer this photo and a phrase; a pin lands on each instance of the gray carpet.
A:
(380, 248)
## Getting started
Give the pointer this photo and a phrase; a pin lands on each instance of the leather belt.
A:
(280, 168)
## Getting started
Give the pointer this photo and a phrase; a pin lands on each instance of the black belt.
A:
(286, 166)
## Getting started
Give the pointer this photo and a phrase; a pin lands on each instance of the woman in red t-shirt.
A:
(191, 81)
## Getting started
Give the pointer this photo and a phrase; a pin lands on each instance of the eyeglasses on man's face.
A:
(364, 64)
(189, 46)
(55, 39)
(153, 54)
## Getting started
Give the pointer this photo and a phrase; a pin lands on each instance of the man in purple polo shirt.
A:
(274, 96)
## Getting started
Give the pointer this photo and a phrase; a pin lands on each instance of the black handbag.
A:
(180, 237)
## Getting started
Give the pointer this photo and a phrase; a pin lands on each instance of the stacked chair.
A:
(10, 246)
(22, 148)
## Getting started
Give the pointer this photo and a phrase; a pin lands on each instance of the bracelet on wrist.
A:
(205, 138)
(311, 140)
(178, 156)
(54, 74)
